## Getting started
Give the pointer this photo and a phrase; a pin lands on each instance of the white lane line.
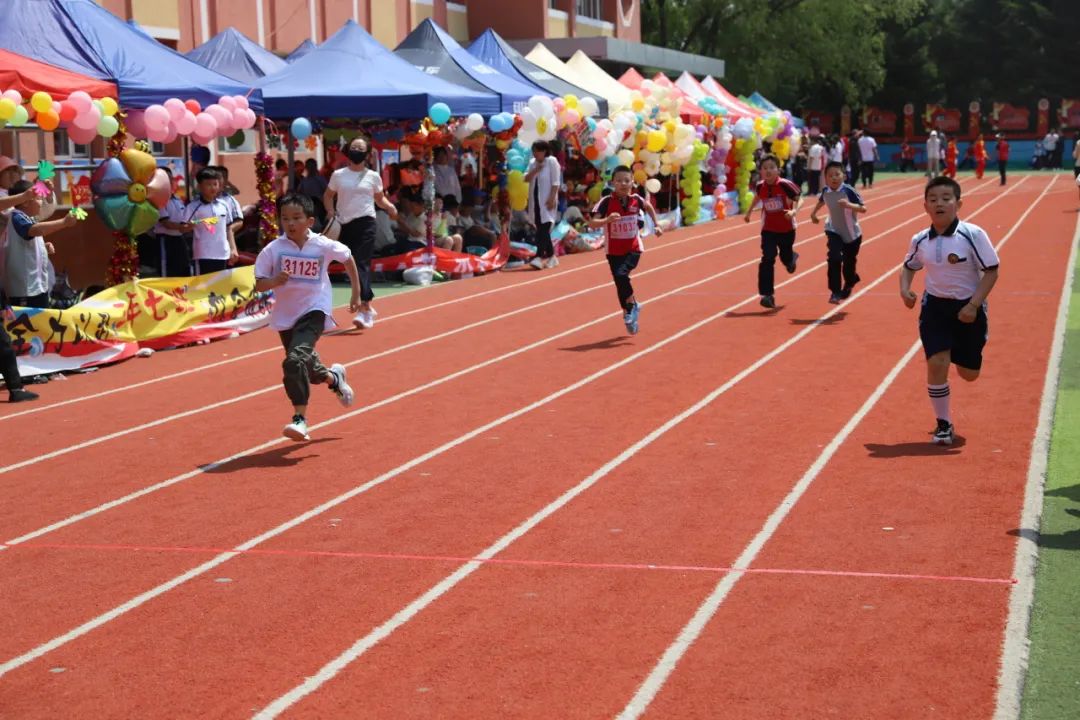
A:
(383, 320)
(145, 597)
(660, 673)
(1015, 645)
(43, 457)
(373, 638)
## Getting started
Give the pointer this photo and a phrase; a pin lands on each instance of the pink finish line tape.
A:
(524, 563)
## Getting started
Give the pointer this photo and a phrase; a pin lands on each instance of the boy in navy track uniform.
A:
(961, 269)
(620, 216)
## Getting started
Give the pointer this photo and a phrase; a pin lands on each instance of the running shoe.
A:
(297, 429)
(943, 435)
(340, 387)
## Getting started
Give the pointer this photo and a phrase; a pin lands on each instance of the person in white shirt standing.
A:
(815, 165)
(961, 270)
(1050, 145)
(295, 267)
(545, 178)
(352, 194)
(209, 218)
(447, 182)
(933, 155)
(868, 154)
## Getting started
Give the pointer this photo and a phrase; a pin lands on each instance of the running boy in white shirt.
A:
(961, 269)
(842, 231)
(295, 266)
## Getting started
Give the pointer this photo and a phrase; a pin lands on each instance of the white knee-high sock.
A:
(939, 398)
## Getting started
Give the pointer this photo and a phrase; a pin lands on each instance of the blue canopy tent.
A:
(759, 100)
(301, 50)
(79, 35)
(432, 50)
(233, 55)
(352, 76)
(495, 51)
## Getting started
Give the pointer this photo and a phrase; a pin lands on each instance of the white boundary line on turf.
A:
(335, 666)
(43, 457)
(221, 558)
(1016, 642)
(663, 669)
(453, 301)
(386, 401)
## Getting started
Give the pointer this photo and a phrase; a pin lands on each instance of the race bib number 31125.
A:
(301, 267)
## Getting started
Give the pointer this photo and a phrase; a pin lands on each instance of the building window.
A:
(63, 147)
(590, 9)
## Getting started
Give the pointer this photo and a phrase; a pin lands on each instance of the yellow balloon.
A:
(7, 109)
(639, 177)
(637, 104)
(571, 101)
(109, 106)
(41, 101)
(657, 140)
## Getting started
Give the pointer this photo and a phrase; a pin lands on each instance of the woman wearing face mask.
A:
(357, 190)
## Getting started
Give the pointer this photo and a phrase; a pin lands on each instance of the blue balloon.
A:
(439, 113)
(301, 128)
(495, 123)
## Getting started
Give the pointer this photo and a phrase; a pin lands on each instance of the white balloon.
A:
(528, 119)
(474, 122)
(588, 106)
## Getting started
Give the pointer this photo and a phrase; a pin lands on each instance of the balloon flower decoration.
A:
(129, 191)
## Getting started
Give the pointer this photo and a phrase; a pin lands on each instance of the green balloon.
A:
(114, 210)
(143, 217)
(236, 139)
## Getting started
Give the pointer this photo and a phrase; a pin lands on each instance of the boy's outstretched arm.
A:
(354, 281)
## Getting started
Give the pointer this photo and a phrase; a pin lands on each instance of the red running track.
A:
(562, 461)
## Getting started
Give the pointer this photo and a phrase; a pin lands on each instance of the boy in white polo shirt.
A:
(961, 269)
(208, 217)
(295, 267)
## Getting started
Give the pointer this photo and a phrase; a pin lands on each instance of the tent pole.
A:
(292, 166)
(187, 167)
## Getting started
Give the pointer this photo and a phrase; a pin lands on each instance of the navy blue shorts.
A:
(940, 329)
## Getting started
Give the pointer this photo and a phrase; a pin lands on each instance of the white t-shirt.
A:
(933, 147)
(308, 287)
(210, 241)
(954, 260)
(447, 181)
(867, 148)
(836, 153)
(355, 192)
(546, 181)
(1050, 141)
(815, 157)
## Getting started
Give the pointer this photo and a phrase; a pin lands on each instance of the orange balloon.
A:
(140, 166)
(48, 120)
(591, 153)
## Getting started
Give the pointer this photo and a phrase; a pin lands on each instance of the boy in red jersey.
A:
(780, 200)
(619, 215)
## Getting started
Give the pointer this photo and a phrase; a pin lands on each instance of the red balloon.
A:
(67, 112)
(193, 106)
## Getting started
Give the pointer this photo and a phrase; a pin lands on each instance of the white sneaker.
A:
(537, 263)
(364, 319)
(552, 262)
(297, 429)
(340, 387)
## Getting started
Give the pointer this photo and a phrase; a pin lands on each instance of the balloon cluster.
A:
(717, 160)
(691, 183)
(84, 117)
(186, 118)
(744, 155)
(655, 101)
(712, 106)
(778, 129)
(540, 119)
(129, 191)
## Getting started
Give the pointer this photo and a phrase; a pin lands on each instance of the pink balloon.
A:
(202, 140)
(14, 96)
(136, 124)
(559, 104)
(81, 136)
(227, 102)
(171, 133)
(186, 124)
(176, 108)
(157, 117)
(157, 134)
(80, 101)
(57, 107)
(251, 118)
(239, 119)
(205, 126)
(88, 120)
(241, 101)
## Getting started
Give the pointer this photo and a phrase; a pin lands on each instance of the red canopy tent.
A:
(30, 76)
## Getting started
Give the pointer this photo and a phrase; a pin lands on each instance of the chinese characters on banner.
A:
(156, 313)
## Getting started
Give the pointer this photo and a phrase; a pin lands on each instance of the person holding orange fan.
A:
(950, 158)
(979, 152)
